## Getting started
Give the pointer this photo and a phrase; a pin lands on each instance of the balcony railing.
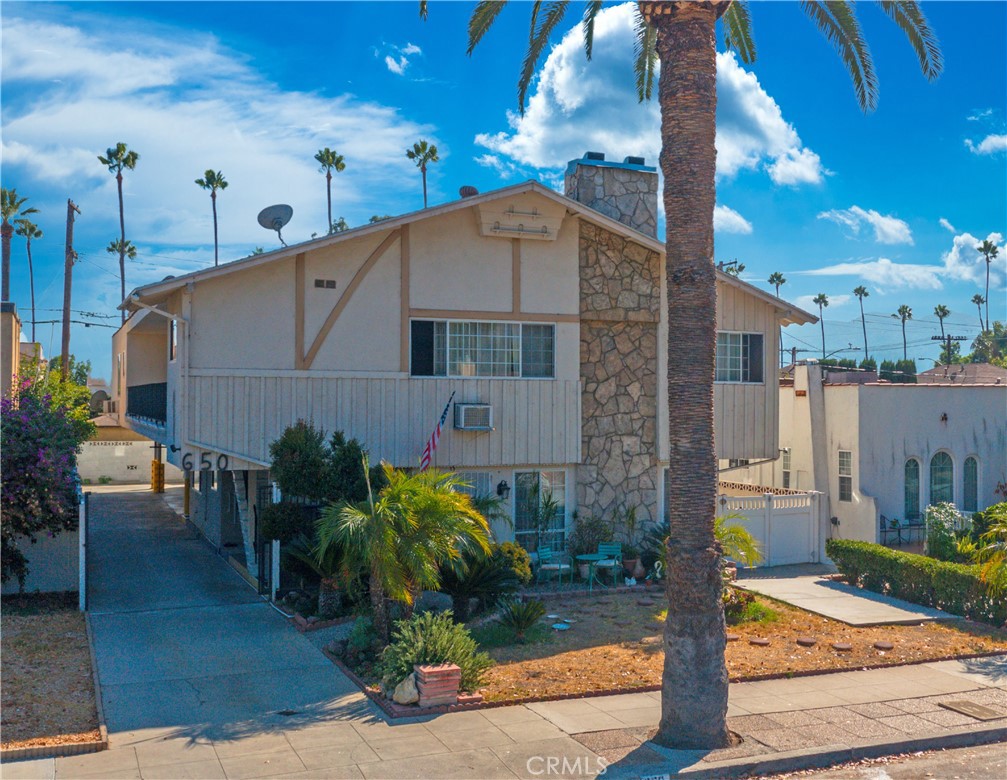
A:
(148, 402)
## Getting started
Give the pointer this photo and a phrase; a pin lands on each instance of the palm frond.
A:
(645, 50)
(539, 38)
(483, 16)
(423, 10)
(738, 31)
(910, 19)
(837, 21)
(590, 13)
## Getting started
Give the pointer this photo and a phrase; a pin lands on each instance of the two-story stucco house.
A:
(542, 313)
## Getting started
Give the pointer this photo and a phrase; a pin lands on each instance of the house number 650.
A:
(205, 464)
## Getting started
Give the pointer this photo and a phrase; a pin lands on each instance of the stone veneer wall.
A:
(620, 298)
(624, 194)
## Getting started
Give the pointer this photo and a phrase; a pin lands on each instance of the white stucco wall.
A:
(121, 461)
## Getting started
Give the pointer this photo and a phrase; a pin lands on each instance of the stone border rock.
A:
(303, 625)
(69, 748)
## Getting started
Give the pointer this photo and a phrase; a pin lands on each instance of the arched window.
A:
(942, 479)
(970, 501)
(912, 502)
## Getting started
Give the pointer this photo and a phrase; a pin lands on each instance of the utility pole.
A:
(947, 345)
(71, 210)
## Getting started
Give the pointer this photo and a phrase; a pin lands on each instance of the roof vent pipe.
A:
(467, 191)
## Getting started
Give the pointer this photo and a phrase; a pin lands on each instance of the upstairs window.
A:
(845, 475)
(739, 357)
(482, 349)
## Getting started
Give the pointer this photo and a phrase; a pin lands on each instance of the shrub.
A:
(299, 461)
(486, 578)
(520, 616)
(735, 602)
(431, 638)
(954, 587)
(983, 521)
(516, 558)
(942, 520)
(588, 534)
(286, 521)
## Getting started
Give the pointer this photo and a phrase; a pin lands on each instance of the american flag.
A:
(428, 451)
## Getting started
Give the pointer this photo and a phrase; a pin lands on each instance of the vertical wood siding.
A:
(536, 421)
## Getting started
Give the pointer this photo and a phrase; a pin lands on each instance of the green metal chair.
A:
(551, 563)
(613, 560)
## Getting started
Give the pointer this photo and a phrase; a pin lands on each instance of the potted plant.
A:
(630, 544)
(587, 534)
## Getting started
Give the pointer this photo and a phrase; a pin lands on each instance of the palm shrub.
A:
(993, 557)
(327, 566)
(520, 616)
(477, 576)
(432, 638)
(983, 521)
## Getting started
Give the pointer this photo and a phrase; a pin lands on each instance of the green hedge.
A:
(952, 587)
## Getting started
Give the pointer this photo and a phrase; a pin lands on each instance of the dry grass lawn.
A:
(48, 690)
(615, 643)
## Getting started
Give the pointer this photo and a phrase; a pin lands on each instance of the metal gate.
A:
(263, 546)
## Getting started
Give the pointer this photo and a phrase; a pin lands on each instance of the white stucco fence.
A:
(788, 528)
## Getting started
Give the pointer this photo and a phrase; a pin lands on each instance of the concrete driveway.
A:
(183, 644)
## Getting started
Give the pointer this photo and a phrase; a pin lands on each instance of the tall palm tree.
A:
(904, 313)
(403, 535)
(116, 247)
(822, 301)
(940, 312)
(979, 300)
(681, 38)
(328, 162)
(423, 154)
(989, 252)
(861, 293)
(11, 206)
(25, 227)
(778, 280)
(213, 181)
(115, 159)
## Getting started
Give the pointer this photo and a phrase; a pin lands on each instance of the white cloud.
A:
(964, 262)
(947, 225)
(578, 105)
(979, 115)
(991, 144)
(884, 273)
(399, 59)
(505, 169)
(887, 229)
(727, 220)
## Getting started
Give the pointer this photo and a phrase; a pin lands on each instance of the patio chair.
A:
(551, 563)
(613, 560)
(914, 524)
(889, 528)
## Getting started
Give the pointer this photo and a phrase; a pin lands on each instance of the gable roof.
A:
(158, 291)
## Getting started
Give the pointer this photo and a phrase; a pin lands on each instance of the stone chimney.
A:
(625, 191)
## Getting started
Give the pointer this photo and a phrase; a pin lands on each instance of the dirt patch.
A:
(48, 689)
(614, 643)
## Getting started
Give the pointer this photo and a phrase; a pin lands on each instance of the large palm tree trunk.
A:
(379, 609)
(863, 323)
(905, 353)
(821, 319)
(31, 286)
(7, 231)
(122, 246)
(694, 686)
(328, 196)
(423, 171)
(987, 295)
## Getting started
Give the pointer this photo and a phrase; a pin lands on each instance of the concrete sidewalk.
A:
(207, 681)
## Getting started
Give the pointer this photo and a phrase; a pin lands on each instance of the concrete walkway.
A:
(807, 587)
(200, 679)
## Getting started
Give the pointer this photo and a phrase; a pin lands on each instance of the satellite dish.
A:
(275, 217)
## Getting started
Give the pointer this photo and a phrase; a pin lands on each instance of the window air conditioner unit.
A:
(474, 417)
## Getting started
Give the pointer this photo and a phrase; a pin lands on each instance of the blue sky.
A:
(807, 184)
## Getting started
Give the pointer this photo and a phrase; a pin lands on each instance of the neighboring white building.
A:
(543, 314)
(874, 448)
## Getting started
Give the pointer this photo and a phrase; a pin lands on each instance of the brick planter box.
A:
(438, 684)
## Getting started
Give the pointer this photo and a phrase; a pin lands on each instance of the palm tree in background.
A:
(904, 313)
(681, 38)
(328, 162)
(940, 312)
(979, 300)
(822, 301)
(25, 227)
(777, 279)
(861, 293)
(116, 247)
(115, 159)
(11, 206)
(213, 181)
(423, 154)
(989, 252)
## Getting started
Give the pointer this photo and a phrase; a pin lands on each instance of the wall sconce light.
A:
(944, 417)
(173, 448)
(503, 489)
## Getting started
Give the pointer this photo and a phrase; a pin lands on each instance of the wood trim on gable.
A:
(344, 299)
(299, 311)
(515, 244)
(404, 300)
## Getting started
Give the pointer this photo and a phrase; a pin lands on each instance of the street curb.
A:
(811, 758)
(69, 748)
